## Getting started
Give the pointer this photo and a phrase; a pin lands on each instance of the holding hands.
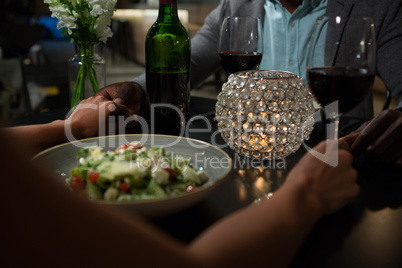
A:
(91, 116)
(380, 138)
(128, 94)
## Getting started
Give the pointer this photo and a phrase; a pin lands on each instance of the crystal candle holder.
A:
(265, 114)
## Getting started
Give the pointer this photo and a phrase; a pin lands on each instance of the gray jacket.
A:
(387, 15)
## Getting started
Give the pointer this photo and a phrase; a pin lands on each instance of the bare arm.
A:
(270, 233)
(39, 137)
(88, 120)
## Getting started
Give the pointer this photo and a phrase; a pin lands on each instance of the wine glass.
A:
(240, 44)
(341, 64)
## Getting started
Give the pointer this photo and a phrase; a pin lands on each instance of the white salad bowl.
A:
(203, 156)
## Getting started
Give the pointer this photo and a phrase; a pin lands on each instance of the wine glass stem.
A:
(333, 127)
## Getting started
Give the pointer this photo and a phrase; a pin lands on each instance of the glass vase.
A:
(87, 71)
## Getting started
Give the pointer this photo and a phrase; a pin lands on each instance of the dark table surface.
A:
(366, 233)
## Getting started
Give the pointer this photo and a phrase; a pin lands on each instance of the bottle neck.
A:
(168, 9)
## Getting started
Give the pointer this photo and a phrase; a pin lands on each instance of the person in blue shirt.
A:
(294, 26)
(287, 25)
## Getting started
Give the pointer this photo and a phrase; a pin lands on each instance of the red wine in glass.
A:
(240, 44)
(341, 67)
(349, 86)
(235, 61)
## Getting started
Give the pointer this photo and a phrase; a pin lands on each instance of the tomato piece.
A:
(124, 146)
(170, 170)
(190, 188)
(129, 145)
(93, 176)
(124, 187)
(136, 147)
(77, 183)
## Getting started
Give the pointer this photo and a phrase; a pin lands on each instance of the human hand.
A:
(91, 116)
(128, 94)
(380, 138)
(327, 188)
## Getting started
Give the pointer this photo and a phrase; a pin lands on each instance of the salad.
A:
(133, 172)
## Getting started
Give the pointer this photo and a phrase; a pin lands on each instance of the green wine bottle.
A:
(167, 60)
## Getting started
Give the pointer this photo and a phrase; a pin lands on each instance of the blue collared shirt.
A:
(286, 35)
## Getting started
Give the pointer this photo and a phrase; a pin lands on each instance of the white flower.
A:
(102, 28)
(97, 10)
(69, 25)
(72, 15)
(104, 4)
(103, 34)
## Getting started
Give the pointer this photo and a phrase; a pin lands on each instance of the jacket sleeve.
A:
(204, 47)
(389, 44)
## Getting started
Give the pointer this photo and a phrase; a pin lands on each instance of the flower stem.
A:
(87, 69)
